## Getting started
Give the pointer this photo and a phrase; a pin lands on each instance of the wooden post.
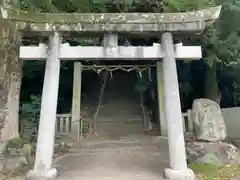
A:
(189, 120)
(76, 100)
(46, 133)
(178, 164)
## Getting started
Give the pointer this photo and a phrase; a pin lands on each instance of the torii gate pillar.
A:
(173, 114)
(46, 133)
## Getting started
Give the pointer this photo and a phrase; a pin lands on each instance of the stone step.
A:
(124, 116)
(112, 128)
(117, 115)
(121, 106)
(120, 119)
(115, 111)
(121, 100)
(121, 95)
(120, 110)
(122, 92)
(122, 123)
(125, 106)
(119, 122)
(120, 103)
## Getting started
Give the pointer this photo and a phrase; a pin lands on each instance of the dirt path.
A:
(131, 157)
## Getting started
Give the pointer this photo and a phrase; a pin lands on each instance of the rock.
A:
(13, 151)
(208, 121)
(13, 159)
(189, 137)
(3, 146)
(13, 163)
(217, 153)
(236, 142)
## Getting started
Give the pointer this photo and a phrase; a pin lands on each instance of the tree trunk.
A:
(211, 84)
(10, 80)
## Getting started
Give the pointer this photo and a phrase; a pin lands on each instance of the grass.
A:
(212, 172)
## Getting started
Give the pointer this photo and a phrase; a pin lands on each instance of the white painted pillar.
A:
(46, 133)
(76, 100)
(173, 115)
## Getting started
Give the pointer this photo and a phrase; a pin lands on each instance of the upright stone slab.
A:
(10, 80)
(208, 121)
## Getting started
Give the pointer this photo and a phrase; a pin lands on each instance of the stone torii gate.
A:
(110, 51)
(15, 24)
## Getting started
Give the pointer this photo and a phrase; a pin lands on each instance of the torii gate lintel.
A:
(132, 53)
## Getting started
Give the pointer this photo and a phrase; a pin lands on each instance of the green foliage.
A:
(221, 50)
(186, 5)
(212, 172)
(31, 109)
(236, 93)
(16, 143)
(206, 169)
(31, 68)
(85, 127)
(143, 82)
(29, 118)
(221, 41)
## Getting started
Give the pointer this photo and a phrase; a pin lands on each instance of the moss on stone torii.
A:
(113, 22)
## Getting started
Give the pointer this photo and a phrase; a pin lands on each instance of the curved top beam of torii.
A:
(111, 22)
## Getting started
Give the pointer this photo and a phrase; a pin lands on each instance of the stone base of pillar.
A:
(173, 174)
(50, 174)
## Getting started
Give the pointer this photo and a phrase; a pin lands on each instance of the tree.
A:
(221, 45)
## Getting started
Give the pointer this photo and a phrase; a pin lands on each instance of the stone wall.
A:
(232, 121)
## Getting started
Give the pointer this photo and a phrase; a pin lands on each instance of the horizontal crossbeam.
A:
(68, 52)
(111, 22)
